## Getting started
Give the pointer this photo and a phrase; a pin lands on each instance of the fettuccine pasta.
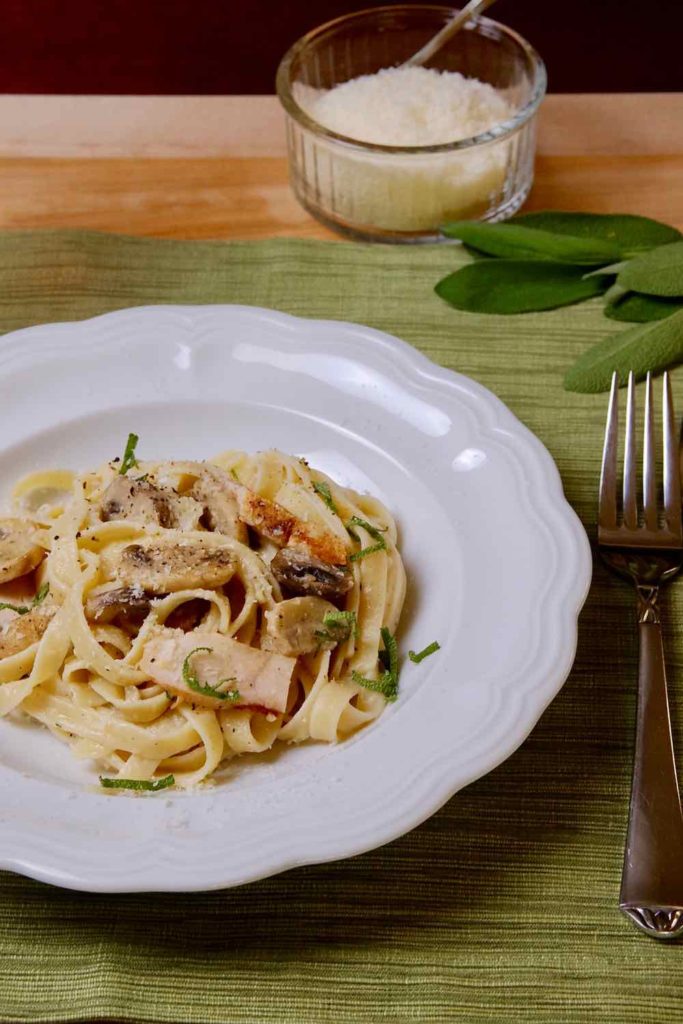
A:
(162, 617)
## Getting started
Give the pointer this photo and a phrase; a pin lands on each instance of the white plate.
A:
(498, 568)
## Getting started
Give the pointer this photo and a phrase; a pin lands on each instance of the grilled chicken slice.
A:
(161, 566)
(229, 507)
(297, 626)
(285, 530)
(266, 517)
(299, 572)
(103, 605)
(26, 629)
(20, 552)
(215, 492)
(261, 679)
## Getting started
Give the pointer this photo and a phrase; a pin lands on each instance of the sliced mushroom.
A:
(187, 615)
(215, 492)
(260, 678)
(143, 502)
(19, 551)
(26, 629)
(297, 626)
(165, 566)
(104, 605)
(298, 572)
(127, 498)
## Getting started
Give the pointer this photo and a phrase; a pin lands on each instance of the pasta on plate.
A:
(162, 617)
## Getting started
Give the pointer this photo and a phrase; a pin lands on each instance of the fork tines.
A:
(640, 528)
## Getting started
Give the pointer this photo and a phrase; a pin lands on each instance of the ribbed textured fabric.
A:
(500, 907)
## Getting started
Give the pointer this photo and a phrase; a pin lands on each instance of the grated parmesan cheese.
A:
(376, 194)
(409, 107)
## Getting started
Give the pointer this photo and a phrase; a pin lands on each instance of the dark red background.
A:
(223, 46)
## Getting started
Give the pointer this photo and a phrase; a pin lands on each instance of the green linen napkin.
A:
(500, 907)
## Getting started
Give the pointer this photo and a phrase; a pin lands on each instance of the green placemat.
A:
(500, 907)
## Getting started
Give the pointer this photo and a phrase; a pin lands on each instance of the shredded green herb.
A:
(191, 680)
(340, 626)
(233, 474)
(389, 655)
(129, 460)
(323, 489)
(387, 683)
(151, 786)
(364, 552)
(342, 621)
(421, 655)
(384, 685)
(374, 531)
(21, 609)
(142, 479)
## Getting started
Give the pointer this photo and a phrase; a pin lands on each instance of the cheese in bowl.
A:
(389, 153)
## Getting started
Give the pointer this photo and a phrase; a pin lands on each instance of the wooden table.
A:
(215, 166)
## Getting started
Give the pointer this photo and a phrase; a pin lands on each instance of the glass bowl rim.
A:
(498, 131)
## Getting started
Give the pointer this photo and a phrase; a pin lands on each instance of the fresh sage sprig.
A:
(646, 347)
(632, 234)
(518, 286)
(542, 256)
(550, 259)
(641, 309)
(519, 242)
(659, 272)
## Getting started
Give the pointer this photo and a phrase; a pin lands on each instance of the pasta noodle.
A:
(163, 617)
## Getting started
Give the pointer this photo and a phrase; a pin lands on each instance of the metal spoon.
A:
(471, 10)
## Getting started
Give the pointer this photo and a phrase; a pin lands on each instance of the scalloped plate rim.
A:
(501, 419)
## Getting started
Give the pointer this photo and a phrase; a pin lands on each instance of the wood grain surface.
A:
(215, 167)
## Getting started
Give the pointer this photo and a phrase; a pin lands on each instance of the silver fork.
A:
(648, 550)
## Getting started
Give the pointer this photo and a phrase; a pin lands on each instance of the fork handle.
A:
(652, 877)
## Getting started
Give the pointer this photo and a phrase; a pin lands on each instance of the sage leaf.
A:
(640, 309)
(522, 243)
(615, 293)
(659, 272)
(517, 286)
(630, 233)
(646, 347)
(613, 269)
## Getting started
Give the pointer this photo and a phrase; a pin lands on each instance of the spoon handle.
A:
(469, 11)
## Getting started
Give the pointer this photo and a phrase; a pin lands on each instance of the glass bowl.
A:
(403, 193)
